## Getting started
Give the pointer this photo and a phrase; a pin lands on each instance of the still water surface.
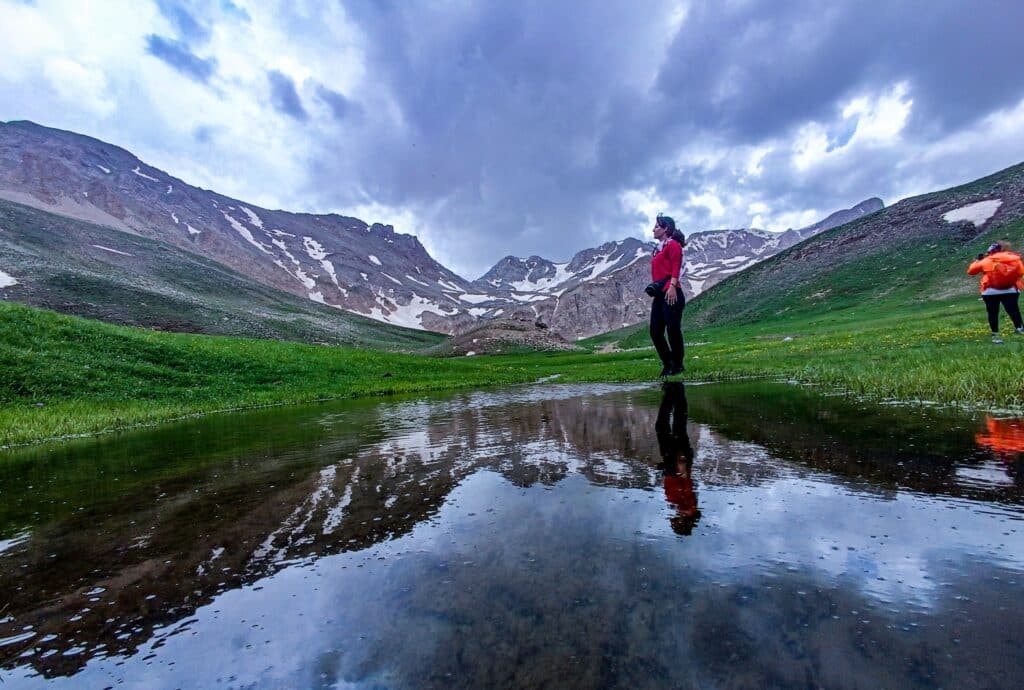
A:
(729, 535)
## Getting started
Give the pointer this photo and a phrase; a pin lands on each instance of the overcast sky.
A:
(533, 127)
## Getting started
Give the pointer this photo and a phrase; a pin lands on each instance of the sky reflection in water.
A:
(522, 538)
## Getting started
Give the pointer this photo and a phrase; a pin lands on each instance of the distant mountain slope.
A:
(96, 271)
(338, 261)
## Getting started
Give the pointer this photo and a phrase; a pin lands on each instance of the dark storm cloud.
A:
(763, 67)
(340, 106)
(503, 110)
(177, 55)
(182, 19)
(284, 97)
(528, 119)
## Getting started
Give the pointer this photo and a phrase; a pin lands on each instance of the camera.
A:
(656, 287)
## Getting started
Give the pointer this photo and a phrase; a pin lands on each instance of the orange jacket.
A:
(1002, 436)
(985, 266)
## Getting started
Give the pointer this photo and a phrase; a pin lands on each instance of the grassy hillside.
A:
(61, 264)
(901, 255)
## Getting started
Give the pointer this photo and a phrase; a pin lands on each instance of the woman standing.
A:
(1001, 284)
(667, 306)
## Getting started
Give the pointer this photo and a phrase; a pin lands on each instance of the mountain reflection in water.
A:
(520, 539)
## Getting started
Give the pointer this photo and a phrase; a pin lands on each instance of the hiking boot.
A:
(665, 371)
(677, 370)
(996, 340)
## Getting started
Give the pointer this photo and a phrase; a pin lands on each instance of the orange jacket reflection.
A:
(1002, 436)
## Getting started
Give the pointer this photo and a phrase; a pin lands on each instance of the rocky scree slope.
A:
(335, 260)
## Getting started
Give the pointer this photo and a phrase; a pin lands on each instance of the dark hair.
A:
(669, 224)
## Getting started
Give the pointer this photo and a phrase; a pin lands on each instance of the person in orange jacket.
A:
(1002, 280)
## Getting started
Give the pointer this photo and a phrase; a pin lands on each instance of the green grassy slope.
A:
(160, 286)
(900, 255)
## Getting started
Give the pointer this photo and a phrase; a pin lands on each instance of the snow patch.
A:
(448, 285)
(191, 230)
(315, 250)
(977, 213)
(478, 311)
(279, 233)
(329, 268)
(470, 353)
(365, 277)
(418, 282)
(562, 274)
(169, 189)
(113, 251)
(253, 218)
(106, 170)
(317, 297)
(7, 280)
(734, 260)
(605, 263)
(244, 232)
(298, 274)
(174, 218)
(375, 260)
(139, 172)
(529, 298)
(475, 299)
(394, 280)
(408, 315)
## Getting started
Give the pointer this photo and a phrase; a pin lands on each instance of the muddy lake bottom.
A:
(742, 535)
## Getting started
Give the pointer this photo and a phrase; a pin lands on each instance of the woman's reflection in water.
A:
(677, 457)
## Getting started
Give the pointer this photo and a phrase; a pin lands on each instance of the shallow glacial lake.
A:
(728, 535)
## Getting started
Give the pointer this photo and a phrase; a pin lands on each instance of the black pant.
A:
(1010, 302)
(670, 427)
(666, 317)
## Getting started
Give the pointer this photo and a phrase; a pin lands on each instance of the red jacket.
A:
(667, 263)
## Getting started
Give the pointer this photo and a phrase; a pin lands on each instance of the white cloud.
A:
(755, 158)
(810, 147)
(709, 200)
(880, 119)
(80, 86)
(646, 201)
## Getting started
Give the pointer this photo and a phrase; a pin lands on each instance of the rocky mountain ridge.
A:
(345, 263)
